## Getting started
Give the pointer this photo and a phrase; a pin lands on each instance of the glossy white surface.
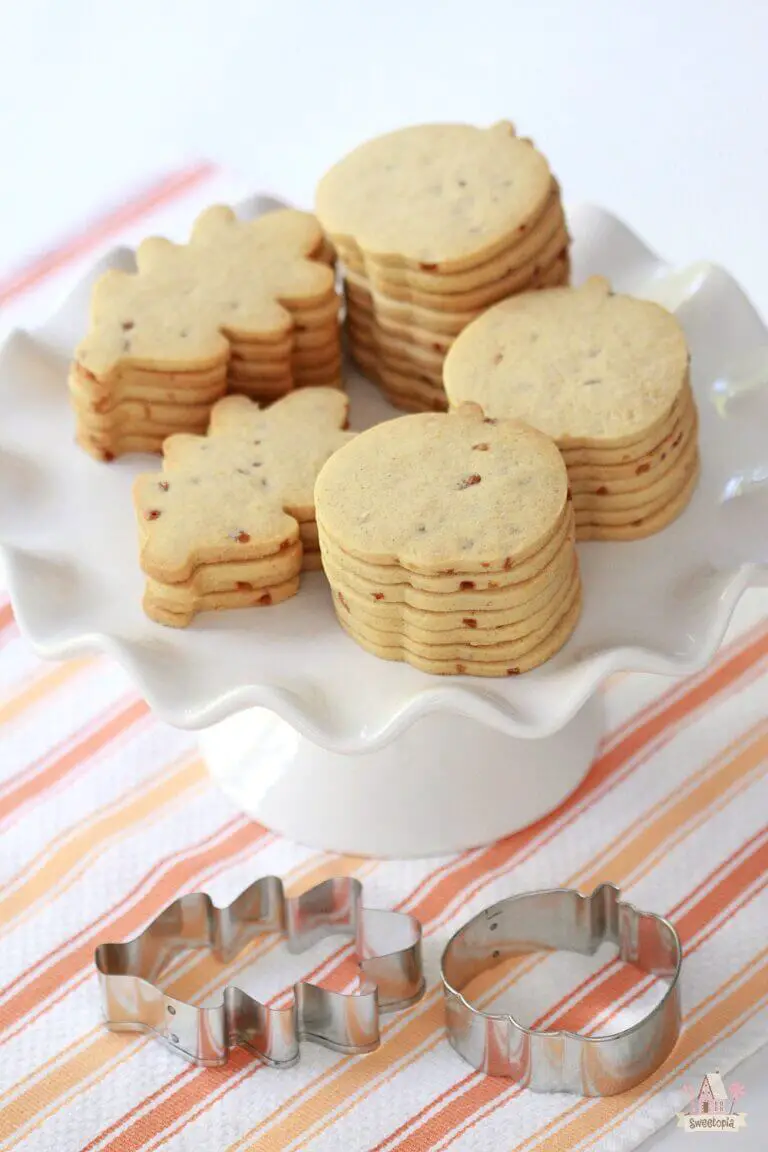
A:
(445, 784)
(660, 605)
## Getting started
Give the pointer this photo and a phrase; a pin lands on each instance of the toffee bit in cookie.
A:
(243, 586)
(265, 599)
(151, 514)
(421, 528)
(163, 485)
(497, 359)
(428, 267)
(516, 513)
(513, 671)
(490, 420)
(601, 491)
(340, 597)
(592, 381)
(239, 536)
(127, 325)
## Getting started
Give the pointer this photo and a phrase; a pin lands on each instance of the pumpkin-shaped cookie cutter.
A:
(562, 919)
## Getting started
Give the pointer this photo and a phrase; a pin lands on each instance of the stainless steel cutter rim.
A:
(389, 979)
(667, 1008)
(566, 1031)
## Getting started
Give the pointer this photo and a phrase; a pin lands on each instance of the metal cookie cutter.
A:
(562, 919)
(388, 946)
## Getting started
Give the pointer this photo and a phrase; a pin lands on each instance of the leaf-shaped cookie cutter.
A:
(562, 919)
(387, 944)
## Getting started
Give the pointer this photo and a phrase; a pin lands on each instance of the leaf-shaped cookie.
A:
(234, 281)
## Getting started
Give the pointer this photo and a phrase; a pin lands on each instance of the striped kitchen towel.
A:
(106, 815)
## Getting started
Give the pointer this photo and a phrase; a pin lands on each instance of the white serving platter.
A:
(68, 539)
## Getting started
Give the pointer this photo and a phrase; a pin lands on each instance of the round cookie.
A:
(466, 643)
(417, 391)
(514, 280)
(605, 465)
(433, 491)
(480, 611)
(644, 500)
(500, 265)
(429, 320)
(514, 583)
(485, 662)
(588, 367)
(446, 196)
(638, 528)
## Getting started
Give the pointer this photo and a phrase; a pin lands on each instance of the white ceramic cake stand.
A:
(302, 728)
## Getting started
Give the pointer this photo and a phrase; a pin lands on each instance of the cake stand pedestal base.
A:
(445, 784)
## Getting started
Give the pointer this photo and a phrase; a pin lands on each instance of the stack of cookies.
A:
(245, 306)
(608, 378)
(206, 541)
(433, 224)
(230, 520)
(448, 542)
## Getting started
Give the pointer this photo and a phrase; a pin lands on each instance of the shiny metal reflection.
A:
(562, 919)
(388, 946)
